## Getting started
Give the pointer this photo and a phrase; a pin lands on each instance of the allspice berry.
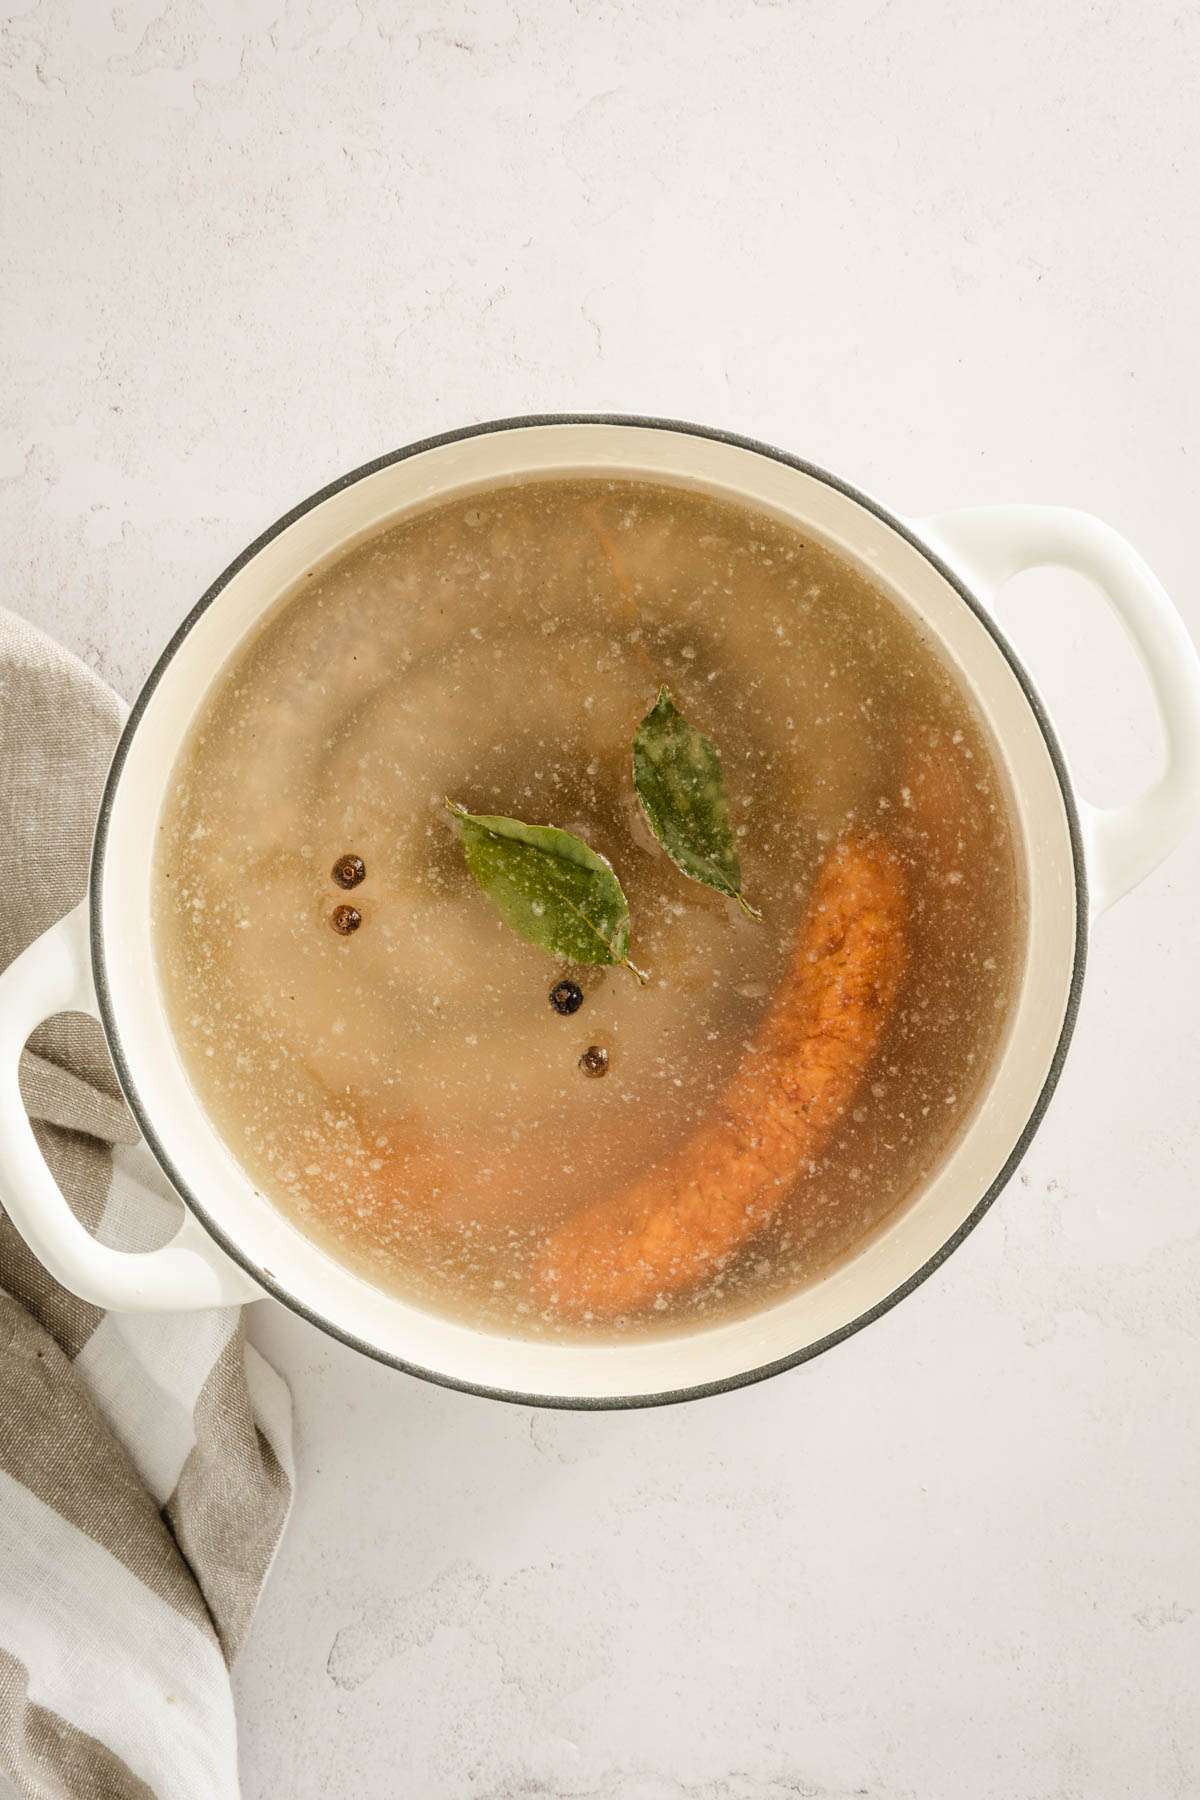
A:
(348, 871)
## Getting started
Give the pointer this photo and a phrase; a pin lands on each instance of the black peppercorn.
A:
(348, 871)
(594, 1060)
(566, 997)
(346, 919)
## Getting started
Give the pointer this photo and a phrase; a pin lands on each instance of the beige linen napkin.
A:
(145, 1459)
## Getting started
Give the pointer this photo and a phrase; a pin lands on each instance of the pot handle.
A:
(988, 545)
(54, 975)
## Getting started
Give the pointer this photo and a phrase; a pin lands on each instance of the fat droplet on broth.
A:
(405, 1093)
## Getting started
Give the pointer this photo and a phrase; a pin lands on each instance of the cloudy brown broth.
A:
(404, 1090)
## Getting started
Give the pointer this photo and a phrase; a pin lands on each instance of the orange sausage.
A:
(682, 1220)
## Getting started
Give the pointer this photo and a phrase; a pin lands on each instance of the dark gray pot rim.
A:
(616, 1401)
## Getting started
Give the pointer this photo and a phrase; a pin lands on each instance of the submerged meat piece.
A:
(683, 1218)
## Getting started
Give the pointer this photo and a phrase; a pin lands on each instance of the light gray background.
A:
(949, 250)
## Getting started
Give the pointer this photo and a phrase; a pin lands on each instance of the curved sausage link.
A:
(684, 1218)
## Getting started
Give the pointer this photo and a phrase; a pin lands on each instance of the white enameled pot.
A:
(233, 1244)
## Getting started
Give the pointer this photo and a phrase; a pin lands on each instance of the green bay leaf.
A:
(681, 787)
(551, 887)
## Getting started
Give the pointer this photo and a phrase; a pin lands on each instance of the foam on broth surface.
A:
(406, 1092)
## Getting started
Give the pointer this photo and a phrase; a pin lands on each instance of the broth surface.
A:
(406, 1093)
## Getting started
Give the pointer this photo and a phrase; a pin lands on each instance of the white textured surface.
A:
(951, 252)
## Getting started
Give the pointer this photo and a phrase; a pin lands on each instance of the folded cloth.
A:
(145, 1459)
